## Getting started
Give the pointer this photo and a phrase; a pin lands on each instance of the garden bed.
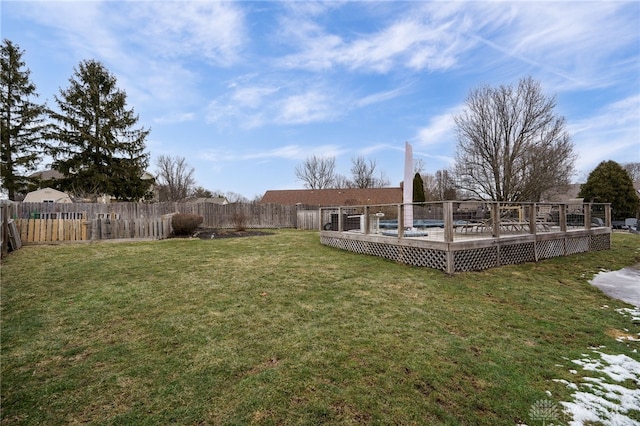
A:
(210, 234)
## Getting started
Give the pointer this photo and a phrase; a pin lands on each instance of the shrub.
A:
(185, 223)
(239, 220)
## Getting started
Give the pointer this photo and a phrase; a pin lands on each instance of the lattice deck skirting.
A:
(460, 256)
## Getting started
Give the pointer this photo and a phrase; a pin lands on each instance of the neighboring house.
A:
(47, 175)
(47, 195)
(562, 193)
(333, 197)
(571, 191)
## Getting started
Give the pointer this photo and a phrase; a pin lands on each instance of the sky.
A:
(246, 91)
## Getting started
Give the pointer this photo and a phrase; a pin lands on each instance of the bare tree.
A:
(234, 197)
(445, 185)
(511, 144)
(174, 179)
(440, 187)
(317, 172)
(341, 182)
(364, 174)
(634, 171)
(430, 187)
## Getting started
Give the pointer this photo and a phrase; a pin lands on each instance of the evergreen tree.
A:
(610, 183)
(22, 121)
(418, 189)
(98, 150)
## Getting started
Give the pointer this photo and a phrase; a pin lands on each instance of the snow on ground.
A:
(613, 393)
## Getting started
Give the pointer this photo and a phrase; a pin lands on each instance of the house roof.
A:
(50, 174)
(48, 194)
(571, 191)
(212, 200)
(333, 197)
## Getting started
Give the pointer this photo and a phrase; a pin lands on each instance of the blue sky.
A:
(245, 91)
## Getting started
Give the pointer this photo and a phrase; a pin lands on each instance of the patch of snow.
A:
(606, 399)
(621, 284)
(634, 313)
(598, 400)
(567, 383)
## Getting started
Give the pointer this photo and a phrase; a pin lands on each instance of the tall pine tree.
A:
(22, 121)
(418, 189)
(98, 149)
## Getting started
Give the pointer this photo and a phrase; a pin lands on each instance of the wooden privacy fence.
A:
(51, 230)
(308, 219)
(104, 229)
(254, 215)
(51, 222)
(55, 230)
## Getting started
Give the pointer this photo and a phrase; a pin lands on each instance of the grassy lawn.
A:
(279, 329)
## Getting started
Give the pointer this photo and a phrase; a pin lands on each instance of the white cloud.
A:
(615, 127)
(312, 106)
(576, 47)
(380, 97)
(573, 47)
(287, 152)
(440, 129)
(146, 44)
(379, 147)
(414, 40)
(251, 105)
(252, 97)
(212, 30)
(175, 117)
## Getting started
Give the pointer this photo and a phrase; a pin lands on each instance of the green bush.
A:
(185, 223)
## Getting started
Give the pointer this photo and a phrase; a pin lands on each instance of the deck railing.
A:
(449, 221)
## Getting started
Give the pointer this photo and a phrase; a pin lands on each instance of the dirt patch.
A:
(212, 234)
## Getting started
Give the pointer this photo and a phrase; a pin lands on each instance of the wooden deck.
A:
(458, 247)
(470, 252)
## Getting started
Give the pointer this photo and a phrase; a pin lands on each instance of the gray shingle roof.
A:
(333, 197)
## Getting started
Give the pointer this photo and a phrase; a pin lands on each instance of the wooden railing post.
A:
(447, 211)
(533, 209)
(587, 215)
(365, 220)
(607, 215)
(562, 217)
(400, 220)
(340, 224)
(495, 219)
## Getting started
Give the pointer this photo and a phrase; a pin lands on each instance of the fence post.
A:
(4, 212)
